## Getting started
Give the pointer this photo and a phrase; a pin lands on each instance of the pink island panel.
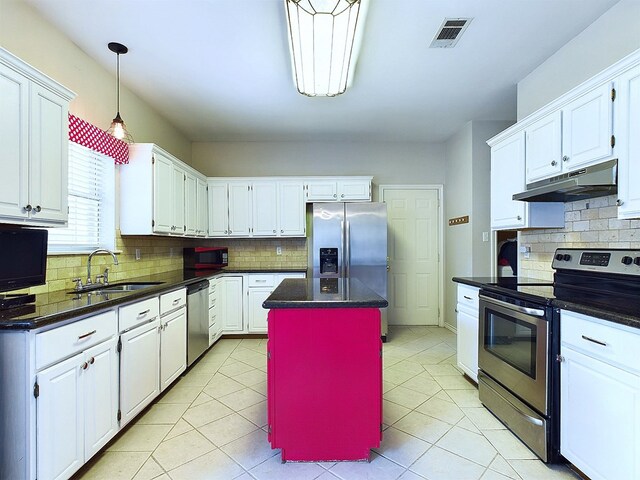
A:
(324, 379)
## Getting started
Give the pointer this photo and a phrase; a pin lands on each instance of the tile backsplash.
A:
(164, 254)
(589, 223)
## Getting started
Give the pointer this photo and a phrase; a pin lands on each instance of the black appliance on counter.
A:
(23, 263)
(519, 340)
(205, 258)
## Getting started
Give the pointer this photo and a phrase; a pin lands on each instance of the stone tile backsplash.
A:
(589, 223)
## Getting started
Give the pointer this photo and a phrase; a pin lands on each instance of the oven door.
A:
(513, 346)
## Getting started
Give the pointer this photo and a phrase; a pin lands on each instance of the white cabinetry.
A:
(173, 336)
(627, 123)
(544, 148)
(139, 359)
(508, 178)
(239, 209)
(600, 397)
(291, 209)
(33, 145)
(195, 204)
(218, 209)
(341, 189)
(77, 398)
(265, 208)
(467, 330)
(202, 207)
(230, 303)
(260, 286)
(215, 320)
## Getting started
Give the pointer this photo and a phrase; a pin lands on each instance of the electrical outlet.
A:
(171, 252)
(278, 250)
(485, 236)
(138, 255)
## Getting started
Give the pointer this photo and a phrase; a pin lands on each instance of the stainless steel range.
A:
(519, 340)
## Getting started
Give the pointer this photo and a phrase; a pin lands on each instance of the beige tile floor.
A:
(211, 424)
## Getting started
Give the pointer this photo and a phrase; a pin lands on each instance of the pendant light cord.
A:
(118, 89)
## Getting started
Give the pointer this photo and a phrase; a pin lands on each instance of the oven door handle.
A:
(534, 312)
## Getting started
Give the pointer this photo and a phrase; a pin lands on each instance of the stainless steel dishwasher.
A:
(197, 320)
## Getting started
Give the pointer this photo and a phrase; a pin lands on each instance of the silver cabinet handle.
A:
(342, 196)
(553, 163)
(468, 298)
(176, 301)
(518, 217)
(84, 366)
(142, 314)
(619, 202)
(92, 361)
(281, 231)
(565, 158)
(87, 335)
(28, 208)
(593, 340)
(38, 208)
(260, 281)
(335, 195)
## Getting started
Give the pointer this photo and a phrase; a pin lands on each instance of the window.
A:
(91, 204)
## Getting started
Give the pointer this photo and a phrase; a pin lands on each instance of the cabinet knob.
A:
(553, 163)
(335, 195)
(230, 232)
(274, 231)
(518, 217)
(342, 196)
(281, 231)
(92, 361)
(619, 202)
(84, 366)
(225, 232)
(28, 208)
(37, 209)
(565, 158)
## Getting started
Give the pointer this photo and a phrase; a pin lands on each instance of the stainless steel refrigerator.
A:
(350, 240)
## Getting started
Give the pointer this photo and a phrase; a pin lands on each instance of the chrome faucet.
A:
(99, 250)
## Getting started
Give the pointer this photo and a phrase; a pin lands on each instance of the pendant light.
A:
(118, 129)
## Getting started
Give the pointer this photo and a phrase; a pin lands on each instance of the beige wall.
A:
(27, 35)
(613, 36)
(588, 223)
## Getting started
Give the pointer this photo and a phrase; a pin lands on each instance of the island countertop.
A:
(317, 292)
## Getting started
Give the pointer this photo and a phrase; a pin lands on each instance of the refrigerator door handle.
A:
(342, 247)
(348, 251)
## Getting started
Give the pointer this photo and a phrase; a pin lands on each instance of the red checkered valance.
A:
(90, 136)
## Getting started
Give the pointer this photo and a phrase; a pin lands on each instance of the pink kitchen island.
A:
(324, 370)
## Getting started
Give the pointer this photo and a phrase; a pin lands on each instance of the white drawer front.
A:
(613, 343)
(172, 300)
(468, 295)
(261, 280)
(56, 344)
(212, 316)
(138, 313)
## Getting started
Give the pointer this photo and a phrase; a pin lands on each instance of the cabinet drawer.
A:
(212, 316)
(615, 344)
(138, 313)
(62, 342)
(468, 295)
(261, 280)
(172, 300)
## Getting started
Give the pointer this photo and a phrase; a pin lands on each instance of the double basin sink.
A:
(121, 287)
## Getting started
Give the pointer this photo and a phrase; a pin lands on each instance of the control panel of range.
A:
(621, 261)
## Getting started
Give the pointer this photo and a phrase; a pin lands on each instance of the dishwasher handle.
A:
(196, 287)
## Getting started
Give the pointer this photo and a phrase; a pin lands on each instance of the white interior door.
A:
(413, 247)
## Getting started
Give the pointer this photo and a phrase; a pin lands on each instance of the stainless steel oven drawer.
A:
(525, 423)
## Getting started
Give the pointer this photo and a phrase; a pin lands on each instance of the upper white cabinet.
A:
(195, 204)
(576, 136)
(253, 207)
(202, 207)
(153, 193)
(34, 136)
(627, 122)
(508, 178)
(338, 189)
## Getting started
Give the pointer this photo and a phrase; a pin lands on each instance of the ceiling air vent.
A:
(450, 32)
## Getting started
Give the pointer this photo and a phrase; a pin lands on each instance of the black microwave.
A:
(202, 258)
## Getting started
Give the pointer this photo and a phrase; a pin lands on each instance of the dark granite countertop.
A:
(599, 312)
(323, 293)
(499, 281)
(54, 307)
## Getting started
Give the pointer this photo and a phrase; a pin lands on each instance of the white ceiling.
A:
(220, 69)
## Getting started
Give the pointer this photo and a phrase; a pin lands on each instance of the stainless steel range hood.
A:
(595, 181)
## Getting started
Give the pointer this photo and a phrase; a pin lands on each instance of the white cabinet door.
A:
(60, 420)
(49, 156)
(599, 417)
(628, 143)
(321, 191)
(507, 178)
(202, 208)
(291, 209)
(218, 209)
(587, 124)
(191, 204)
(100, 385)
(173, 347)
(162, 198)
(257, 314)
(467, 342)
(139, 369)
(239, 209)
(544, 148)
(231, 300)
(14, 143)
(354, 189)
(265, 209)
(177, 199)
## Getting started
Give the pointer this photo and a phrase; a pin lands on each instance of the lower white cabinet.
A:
(77, 402)
(467, 330)
(260, 286)
(215, 323)
(600, 397)
(230, 304)
(173, 337)
(139, 359)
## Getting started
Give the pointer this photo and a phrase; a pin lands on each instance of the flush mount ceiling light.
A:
(324, 40)
(118, 129)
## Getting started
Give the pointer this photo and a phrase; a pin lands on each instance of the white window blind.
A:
(91, 204)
